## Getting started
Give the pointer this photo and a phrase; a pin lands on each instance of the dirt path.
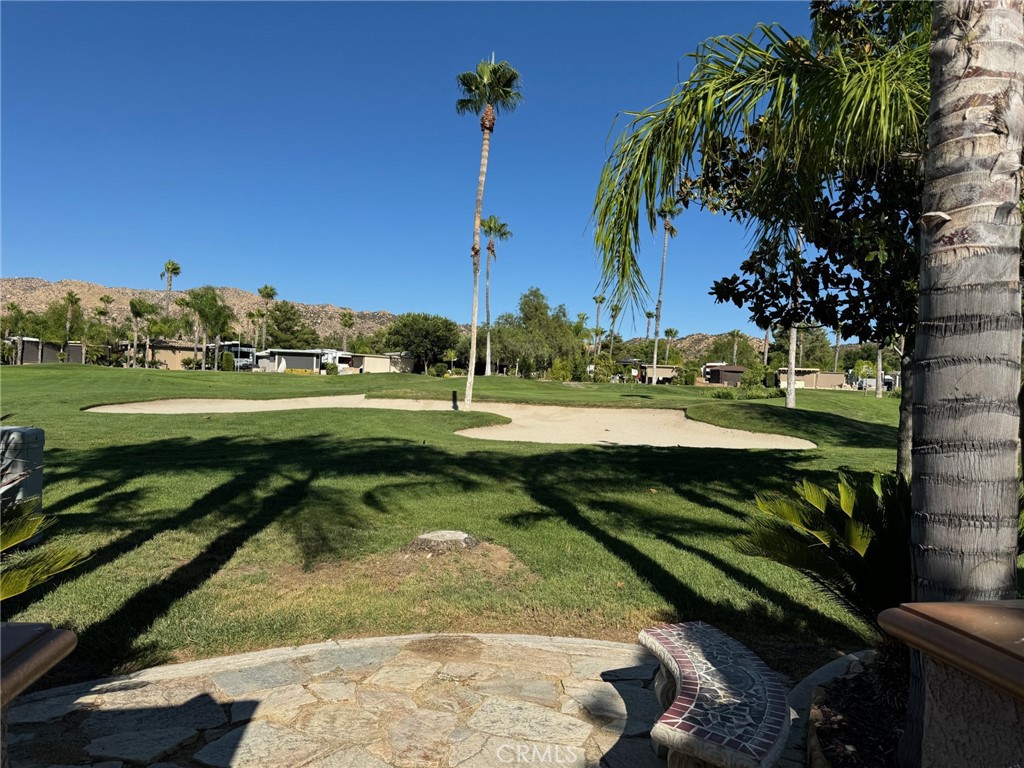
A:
(530, 423)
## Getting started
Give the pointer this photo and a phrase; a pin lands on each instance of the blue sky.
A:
(315, 146)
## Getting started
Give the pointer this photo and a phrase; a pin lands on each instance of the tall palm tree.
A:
(495, 229)
(268, 293)
(649, 314)
(735, 335)
(598, 301)
(140, 309)
(486, 91)
(965, 475)
(71, 302)
(614, 310)
(668, 210)
(348, 322)
(106, 300)
(171, 270)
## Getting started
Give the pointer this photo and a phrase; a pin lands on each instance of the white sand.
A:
(530, 423)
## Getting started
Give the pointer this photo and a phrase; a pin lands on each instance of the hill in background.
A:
(34, 294)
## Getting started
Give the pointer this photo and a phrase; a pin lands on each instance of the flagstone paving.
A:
(423, 701)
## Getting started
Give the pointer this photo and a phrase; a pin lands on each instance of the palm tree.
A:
(495, 229)
(268, 293)
(615, 310)
(649, 314)
(486, 91)
(735, 335)
(348, 322)
(598, 301)
(140, 309)
(252, 318)
(171, 270)
(104, 312)
(668, 210)
(71, 302)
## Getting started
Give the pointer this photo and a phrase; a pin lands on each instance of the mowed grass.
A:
(221, 533)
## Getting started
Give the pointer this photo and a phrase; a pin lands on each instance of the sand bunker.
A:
(530, 423)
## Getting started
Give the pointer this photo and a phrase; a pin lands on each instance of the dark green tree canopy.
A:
(424, 336)
(287, 330)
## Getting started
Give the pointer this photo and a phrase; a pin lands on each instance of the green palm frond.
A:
(23, 572)
(22, 520)
(851, 542)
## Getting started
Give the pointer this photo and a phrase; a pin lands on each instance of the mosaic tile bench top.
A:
(729, 707)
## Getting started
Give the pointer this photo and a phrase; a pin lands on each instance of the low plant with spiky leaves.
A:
(851, 541)
(21, 520)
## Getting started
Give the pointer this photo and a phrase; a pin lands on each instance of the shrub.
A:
(561, 370)
(20, 520)
(753, 376)
(301, 371)
(439, 369)
(227, 361)
(852, 541)
(458, 371)
(332, 369)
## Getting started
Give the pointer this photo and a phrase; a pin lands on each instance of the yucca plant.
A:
(20, 520)
(853, 542)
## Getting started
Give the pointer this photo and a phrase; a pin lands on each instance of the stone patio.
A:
(423, 701)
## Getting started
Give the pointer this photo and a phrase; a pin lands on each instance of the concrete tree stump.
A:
(440, 542)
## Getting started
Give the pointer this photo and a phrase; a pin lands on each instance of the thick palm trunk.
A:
(487, 307)
(475, 253)
(735, 348)
(967, 352)
(879, 373)
(791, 370)
(905, 439)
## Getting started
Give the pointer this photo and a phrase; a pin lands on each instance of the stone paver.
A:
(423, 701)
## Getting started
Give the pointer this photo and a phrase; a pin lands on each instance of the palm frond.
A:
(21, 573)
(22, 520)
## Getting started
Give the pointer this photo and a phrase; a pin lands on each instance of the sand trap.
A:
(530, 423)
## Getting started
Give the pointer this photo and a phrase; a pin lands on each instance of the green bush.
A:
(332, 369)
(227, 361)
(753, 377)
(747, 393)
(438, 369)
(851, 541)
(458, 371)
(561, 370)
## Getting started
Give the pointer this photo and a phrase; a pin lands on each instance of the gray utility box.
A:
(21, 462)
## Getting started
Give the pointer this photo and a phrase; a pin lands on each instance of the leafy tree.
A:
(495, 229)
(171, 270)
(426, 337)
(287, 329)
(486, 91)
(725, 346)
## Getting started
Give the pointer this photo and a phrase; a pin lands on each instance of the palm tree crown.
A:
(490, 88)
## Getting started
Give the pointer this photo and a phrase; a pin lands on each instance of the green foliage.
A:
(190, 363)
(227, 361)
(753, 377)
(747, 393)
(851, 541)
(287, 329)
(332, 369)
(426, 337)
(439, 369)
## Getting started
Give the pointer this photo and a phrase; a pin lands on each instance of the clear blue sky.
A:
(315, 147)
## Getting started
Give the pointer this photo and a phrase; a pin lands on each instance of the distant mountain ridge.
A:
(33, 293)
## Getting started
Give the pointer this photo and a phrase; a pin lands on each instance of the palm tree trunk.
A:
(145, 360)
(835, 358)
(135, 344)
(735, 348)
(879, 373)
(475, 253)
(205, 342)
(791, 370)
(597, 334)
(905, 441)
(195, 344)
(764, 352)
(963, 526)
(657, 306)
(487, 306)
(167, 296)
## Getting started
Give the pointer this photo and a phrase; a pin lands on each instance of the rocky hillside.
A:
(34, 294)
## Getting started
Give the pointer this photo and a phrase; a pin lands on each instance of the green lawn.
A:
(221, 533)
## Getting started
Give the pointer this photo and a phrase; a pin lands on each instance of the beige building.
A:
(392, 362)
(810, 378)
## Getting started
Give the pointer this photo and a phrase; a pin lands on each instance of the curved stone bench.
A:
(724, 706)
